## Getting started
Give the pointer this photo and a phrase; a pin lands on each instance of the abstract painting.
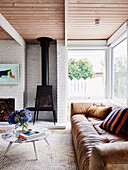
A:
(9, 73)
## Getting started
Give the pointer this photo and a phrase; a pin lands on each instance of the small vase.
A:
(19, 130)
(21, 126)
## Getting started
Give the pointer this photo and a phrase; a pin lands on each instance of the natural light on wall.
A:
(86, 74)
(120, 71)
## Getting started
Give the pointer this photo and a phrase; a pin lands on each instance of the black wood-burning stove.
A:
(44, 94)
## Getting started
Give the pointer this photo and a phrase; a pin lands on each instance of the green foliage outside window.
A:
(80, 69)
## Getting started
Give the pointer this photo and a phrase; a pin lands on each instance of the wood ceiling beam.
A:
(35, 21)
(89, 5)
(33, 12)
(105, 20)
(45, 9)
(95, 16)
(11, 31)
(4, 5)
(30, 1)
(103, 12)
(34, 18)
(95, 9)
(97, 1)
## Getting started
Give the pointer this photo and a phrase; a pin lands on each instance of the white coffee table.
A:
(10, 136)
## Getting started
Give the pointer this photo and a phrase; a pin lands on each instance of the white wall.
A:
(62, 80)
(12, 53)
(34, 76)
(33, 70)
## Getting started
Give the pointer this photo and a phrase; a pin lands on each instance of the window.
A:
(86, 74)
(120, 71)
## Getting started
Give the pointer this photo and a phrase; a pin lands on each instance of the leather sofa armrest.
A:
(79, 108)
(109, 155)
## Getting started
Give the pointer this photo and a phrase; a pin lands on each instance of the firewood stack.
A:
(6, 107)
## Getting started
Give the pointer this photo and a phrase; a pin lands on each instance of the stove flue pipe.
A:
(45, 43)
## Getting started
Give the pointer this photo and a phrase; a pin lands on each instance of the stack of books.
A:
(31, 135)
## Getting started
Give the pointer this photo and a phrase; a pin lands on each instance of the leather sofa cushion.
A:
(79, 108)
(108, 135)
(94, 120)
(85, 137)
(98, 112)
(111, 156)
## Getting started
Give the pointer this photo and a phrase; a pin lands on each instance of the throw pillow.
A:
(98, 112)
(124, 130)
(115, 120)
(102, 112)
(90, 111)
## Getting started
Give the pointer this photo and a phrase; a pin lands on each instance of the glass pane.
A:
(86, 70)
(120, 70)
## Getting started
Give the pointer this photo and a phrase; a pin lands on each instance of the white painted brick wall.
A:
(12, 53)
(33, 73)
(62, 75)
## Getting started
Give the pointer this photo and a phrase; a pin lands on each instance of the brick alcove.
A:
(7, 106)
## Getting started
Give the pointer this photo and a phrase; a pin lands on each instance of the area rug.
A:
(58, 156)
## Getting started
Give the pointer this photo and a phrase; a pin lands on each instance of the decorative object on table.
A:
(31, 134)
(20, 118)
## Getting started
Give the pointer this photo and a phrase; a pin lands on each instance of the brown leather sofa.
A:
(96, 149)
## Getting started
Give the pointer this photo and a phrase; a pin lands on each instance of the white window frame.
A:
(92, 45)
(116, 98)
(113, 41)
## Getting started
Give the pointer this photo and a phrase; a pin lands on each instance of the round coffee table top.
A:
(11, 136)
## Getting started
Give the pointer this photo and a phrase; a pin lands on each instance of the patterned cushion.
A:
(124, 130)
(115, 120)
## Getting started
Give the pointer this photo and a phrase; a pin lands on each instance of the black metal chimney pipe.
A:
(45, 43)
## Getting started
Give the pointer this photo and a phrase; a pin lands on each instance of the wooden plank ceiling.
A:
(4, 35)
(82, 15)
(35, 18)
(39, 18)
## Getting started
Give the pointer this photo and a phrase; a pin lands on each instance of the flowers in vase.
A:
(20, 118)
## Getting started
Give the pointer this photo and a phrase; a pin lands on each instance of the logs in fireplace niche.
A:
(7, 106)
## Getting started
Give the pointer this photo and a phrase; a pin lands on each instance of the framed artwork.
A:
(9, 73)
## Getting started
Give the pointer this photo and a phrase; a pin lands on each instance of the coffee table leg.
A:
(46, 141)
(35, 150)
(9, 145)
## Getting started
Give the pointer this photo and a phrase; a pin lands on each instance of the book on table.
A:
(31, 135)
